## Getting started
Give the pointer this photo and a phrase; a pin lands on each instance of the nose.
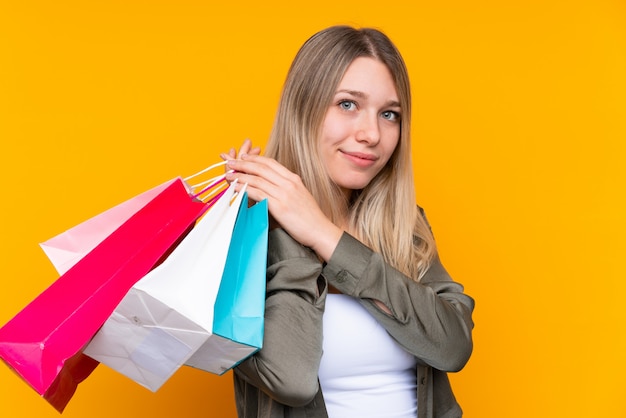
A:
(368, 130)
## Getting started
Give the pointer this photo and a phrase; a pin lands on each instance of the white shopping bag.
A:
(168, 314)
(239, 311)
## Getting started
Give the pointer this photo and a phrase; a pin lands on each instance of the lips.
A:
(360, 159)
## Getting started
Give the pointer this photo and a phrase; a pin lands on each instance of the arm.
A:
(286, 367)
(431, 319)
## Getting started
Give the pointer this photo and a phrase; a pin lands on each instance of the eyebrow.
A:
(357, 93)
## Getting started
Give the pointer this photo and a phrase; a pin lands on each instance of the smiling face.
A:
(362, 125)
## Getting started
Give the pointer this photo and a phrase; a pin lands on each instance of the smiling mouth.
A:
(360, 159)
(361, 156)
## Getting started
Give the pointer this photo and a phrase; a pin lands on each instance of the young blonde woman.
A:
(362, 320)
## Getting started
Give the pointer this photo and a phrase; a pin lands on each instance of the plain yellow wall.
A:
(519, 150)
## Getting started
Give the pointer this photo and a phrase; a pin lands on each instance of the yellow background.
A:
(519, 130)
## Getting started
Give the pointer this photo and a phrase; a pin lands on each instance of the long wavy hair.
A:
(384, 214)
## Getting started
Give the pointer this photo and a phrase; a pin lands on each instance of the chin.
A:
(356, 185)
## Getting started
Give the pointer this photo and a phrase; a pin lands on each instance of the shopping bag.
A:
(43, 342)
(240, 305)
(65, 249)
(168, 314)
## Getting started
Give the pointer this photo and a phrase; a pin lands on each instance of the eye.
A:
(390, 115)
(347, 105)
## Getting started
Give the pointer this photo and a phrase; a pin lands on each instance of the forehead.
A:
(369, 76)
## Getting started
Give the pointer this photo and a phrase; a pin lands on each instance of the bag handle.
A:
(217, 184)
(207, 187)
(213, 188)
(209, 168)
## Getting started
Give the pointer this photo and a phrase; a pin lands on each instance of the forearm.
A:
(431, 319)
(286, 367)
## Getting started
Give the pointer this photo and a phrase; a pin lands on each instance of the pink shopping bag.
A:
(67, 248)
(43, 343)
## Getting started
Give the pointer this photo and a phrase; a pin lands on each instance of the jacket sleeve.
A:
(286, 366)
(431, 319)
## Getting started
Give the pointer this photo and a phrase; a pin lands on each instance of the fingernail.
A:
(224, 156)
(243, 156)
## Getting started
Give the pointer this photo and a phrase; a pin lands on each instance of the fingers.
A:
(245, 149)
(265, 177)
(263, 166)
(230, 155)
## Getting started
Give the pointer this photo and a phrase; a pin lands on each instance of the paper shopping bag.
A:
(240, 305)
(42, 343)
(65, 249)
(168, 314)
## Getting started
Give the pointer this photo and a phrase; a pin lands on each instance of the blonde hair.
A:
(380, 214)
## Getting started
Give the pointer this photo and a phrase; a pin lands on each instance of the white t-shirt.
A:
(364, 373)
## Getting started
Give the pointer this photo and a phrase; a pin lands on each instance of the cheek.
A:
(333, 130)
(391, 141)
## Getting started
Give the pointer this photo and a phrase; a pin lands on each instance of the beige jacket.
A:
(431, 319)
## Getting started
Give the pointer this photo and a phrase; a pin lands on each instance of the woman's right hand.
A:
(289, 202)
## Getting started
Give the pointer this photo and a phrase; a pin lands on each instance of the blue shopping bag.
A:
(239, 308)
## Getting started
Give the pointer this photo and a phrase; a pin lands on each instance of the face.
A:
(361, 128)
